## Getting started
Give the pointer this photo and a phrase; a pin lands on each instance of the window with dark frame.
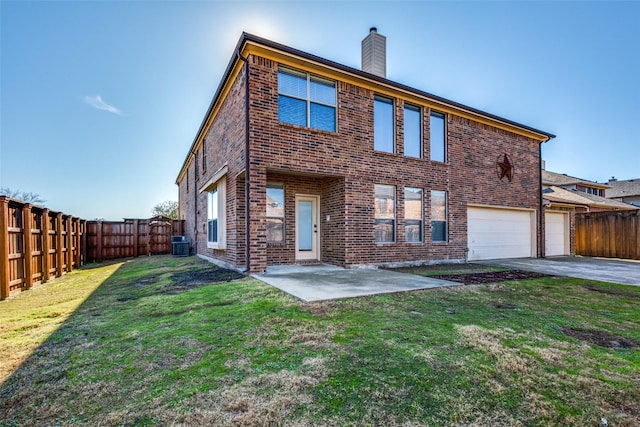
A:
(437, 139)
(439, 216)
(275, 213)
(306, 100)
(383, 125)
(385, 213)
(413, 214)
(204, 156)
(412, 131)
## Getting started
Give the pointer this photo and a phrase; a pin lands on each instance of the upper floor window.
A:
(383, 126)
(204, 155)
(306, 100)
(412, 131)
(437, 137)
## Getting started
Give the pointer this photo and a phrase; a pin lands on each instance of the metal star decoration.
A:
(505, 168)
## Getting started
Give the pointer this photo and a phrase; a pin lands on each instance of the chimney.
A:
(374, 53)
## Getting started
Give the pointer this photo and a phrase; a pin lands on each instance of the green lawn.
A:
(161, 341)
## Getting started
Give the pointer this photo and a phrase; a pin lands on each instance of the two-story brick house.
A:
(346, 167)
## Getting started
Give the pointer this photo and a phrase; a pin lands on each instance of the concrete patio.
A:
(326, 282)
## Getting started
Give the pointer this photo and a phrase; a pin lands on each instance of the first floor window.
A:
(438, 216)
(413, 214)
(385, 213)
(275, 213)
(216, 215)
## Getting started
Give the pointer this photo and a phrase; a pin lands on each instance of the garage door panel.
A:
(499, 233)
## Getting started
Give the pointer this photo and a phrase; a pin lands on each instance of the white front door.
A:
(307, 228)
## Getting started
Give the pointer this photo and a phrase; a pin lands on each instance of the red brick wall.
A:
(469, 176)
(225, 143)
(342, 168)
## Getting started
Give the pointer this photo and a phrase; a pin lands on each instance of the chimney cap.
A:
(373, 30)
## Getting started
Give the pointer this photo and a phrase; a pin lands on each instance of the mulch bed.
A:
(205, 275)
(492, 277)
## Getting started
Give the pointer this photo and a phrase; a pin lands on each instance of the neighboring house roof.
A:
(628, 188)
(561, 179)
(572, 197)
(261, 45)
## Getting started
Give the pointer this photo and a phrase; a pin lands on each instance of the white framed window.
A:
(385, 213)
(275, 213)
(439, 216)
(413, 214)
(412, 131)
(216, 215)
(306, 100)
(437, 136)
(383, 125)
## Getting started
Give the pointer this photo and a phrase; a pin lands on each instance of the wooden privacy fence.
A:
(36, 244)
(614, 234)
(131, 237)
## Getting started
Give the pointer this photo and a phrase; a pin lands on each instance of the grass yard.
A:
(171, 341)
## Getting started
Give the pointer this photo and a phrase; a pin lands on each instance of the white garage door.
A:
(556, 233)
(499, 233)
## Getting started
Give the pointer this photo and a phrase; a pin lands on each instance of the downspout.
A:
(247, 213)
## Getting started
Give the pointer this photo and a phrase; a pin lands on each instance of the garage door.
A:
(499, 233)
(556, 233)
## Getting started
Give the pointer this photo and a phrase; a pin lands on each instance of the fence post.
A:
(46, 265)
(69, 237)
(59, 244)
(83, 241)
(135, 238)
(28, 247)
(76, 227)
(4, 247)
(99, 241)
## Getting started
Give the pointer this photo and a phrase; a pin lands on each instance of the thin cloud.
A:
(97, 102)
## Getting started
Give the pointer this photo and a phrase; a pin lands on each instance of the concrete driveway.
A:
(325, 282)
(626, 272)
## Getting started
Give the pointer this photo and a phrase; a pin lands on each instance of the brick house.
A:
(343, 166)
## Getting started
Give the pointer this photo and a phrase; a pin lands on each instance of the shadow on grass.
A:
(154, 334)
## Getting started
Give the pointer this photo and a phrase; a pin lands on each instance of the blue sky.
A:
(101, 100)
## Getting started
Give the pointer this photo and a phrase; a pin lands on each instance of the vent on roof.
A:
(374, 53)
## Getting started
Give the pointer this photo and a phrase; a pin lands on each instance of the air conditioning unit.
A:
(180, 249)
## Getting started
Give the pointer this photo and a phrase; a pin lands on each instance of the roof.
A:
(628, 188)
(250, 39)
(573, 197)
(561, 179)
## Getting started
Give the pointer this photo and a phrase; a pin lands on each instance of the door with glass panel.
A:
(307, 228)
